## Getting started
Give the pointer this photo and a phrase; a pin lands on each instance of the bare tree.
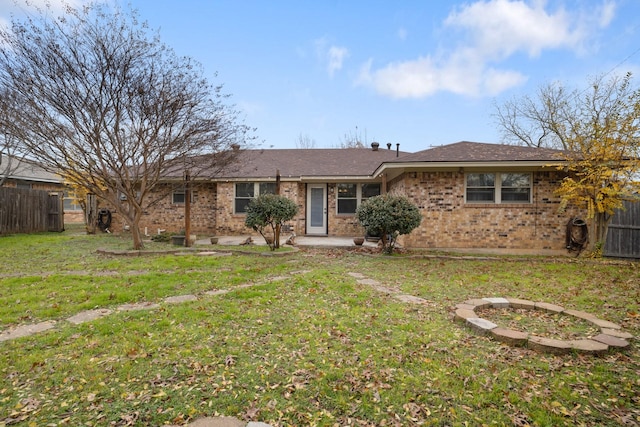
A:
(600, 130)
(106, 104)
(353, 140)
(10, 155)
(305, 141)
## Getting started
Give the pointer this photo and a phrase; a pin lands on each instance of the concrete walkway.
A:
(307, 241)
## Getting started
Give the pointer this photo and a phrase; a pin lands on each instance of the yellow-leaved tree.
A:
(599, 130)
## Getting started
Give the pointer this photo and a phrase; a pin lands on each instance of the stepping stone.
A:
(368, 282)
(411, 299)
(604, 324)
(180, 298)
(481, 325)
(617, 333)
(356, 275)
(89, 315)
(385, 290)
(580, 314)
(217, 292)
(611, 341)
(588, 346)
(462, 314)
(549, 308)
(521, 303)
(498, 302)
(138, 306)
(478, 303)
(278, 278)
(509, 336)
(26, 330)
(548, 345)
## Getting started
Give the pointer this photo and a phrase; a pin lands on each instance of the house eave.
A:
(396, 169)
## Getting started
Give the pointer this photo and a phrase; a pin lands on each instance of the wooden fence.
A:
(30, 211)
(623, 237)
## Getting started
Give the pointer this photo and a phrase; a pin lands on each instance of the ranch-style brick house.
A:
(471, 195)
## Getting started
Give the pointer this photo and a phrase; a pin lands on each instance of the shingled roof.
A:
(26, 170)
(309, 163)
(466, 151)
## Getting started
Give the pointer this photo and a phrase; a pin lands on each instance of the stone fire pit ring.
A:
(611, 334)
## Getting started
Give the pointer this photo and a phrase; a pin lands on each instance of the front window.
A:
(481, 188)
(246, 191)
(351, 195)
(498, 188)
(515, 188)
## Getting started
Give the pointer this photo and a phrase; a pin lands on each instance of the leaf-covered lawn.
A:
(298, 341)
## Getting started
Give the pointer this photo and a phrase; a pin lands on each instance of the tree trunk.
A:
(137, 237)
(599, 226)
(276, 236)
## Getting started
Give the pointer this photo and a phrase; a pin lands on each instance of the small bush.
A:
(388, 216)
(270, 211)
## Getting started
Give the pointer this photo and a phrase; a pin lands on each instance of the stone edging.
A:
(611, 334)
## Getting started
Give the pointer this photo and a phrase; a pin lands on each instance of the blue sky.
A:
(418, 73)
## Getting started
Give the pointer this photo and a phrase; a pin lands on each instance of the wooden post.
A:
(187, 210)
(276, 237)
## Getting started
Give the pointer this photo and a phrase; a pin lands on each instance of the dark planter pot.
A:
(177, 240)
(358, 241)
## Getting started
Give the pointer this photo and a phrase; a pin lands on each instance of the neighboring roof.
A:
(308, 163)
(26, 170)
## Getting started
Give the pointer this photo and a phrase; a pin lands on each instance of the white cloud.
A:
(490, 31)
(330, 55)
(336, 56)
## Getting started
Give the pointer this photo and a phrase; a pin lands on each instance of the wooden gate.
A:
(30, 211)
(623, 237)
(55, 219)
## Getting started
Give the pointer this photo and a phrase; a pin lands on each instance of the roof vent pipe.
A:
(374, 146)
(398, 150)
(388, 146)
(235, 147)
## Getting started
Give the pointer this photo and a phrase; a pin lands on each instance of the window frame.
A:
(193, 195)
(358, 196)
(498, 188)
(259, 187)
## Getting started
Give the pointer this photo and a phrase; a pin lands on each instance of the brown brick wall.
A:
(450, 223)
(340, 224)
(169, 216)
(229, 223)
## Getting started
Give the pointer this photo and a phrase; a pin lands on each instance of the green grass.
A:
(314, 347)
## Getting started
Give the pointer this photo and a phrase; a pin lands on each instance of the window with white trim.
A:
(350, 195)
(498, 187)
(246, 191)
(178, 196)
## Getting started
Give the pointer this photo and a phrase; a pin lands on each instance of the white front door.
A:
(317, 209)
